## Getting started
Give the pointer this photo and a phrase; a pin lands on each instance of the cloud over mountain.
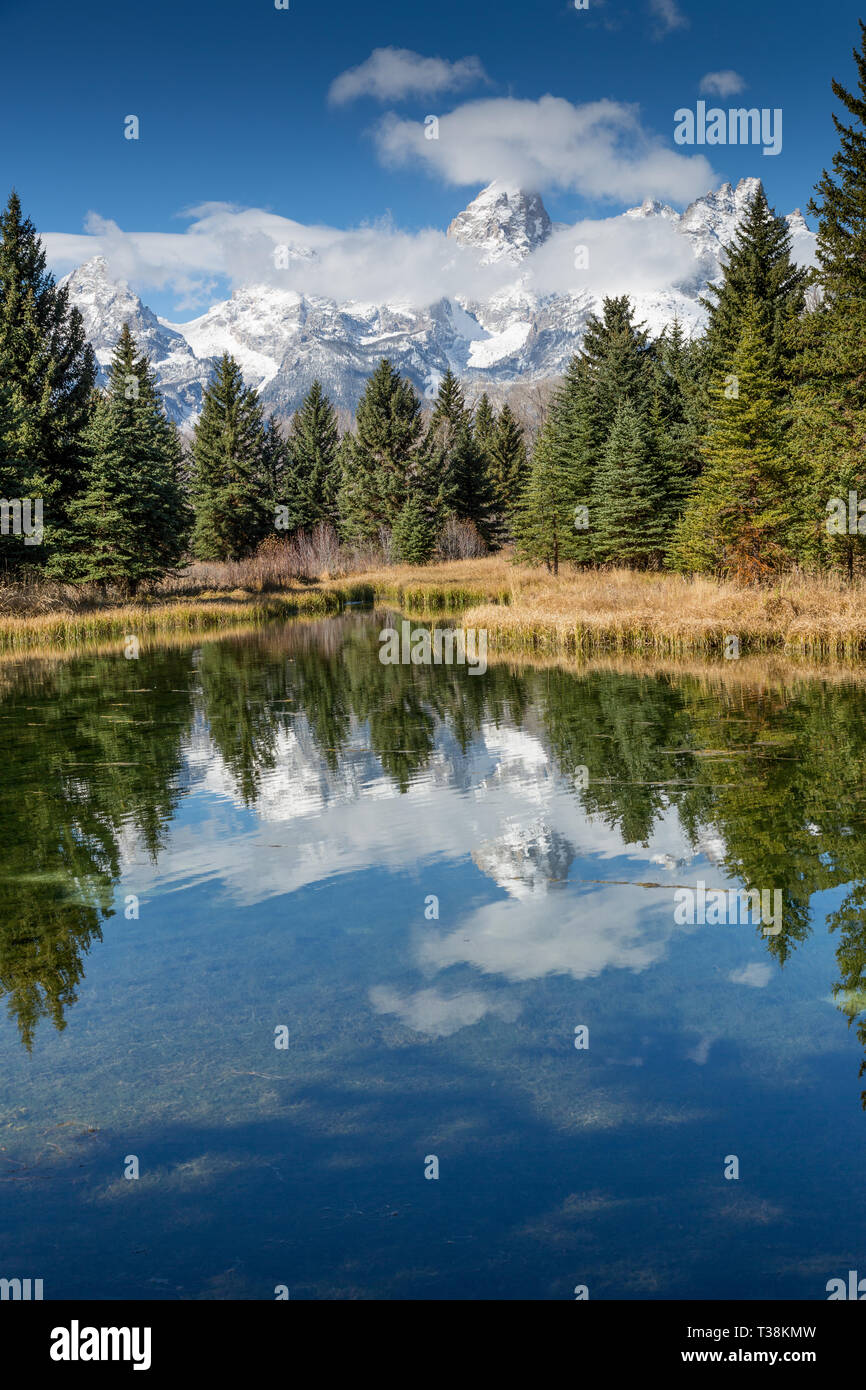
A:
(599, 149)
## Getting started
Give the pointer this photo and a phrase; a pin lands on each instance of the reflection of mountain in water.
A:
(370, 768)
(526, 860)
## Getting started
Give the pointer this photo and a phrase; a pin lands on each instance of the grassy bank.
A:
(660, 615)
(525, 611)
(66, 628)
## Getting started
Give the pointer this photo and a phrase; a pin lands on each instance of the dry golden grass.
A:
(524, 610)
(668, 615)
(55, 630)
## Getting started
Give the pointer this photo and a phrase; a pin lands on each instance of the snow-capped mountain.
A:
(503, 224)
(106, 305)
(519, 331)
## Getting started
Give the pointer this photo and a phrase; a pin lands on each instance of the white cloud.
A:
(598, 149)
(392, 74)
(722, 84)
(378, 263)
(668, 15)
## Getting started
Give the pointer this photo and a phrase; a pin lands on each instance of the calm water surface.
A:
(288, 813)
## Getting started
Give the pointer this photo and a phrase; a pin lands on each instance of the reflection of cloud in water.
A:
(440, 1015)
(758, 974)
(502, 799)
(526, 940)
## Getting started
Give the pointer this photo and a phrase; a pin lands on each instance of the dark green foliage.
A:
(314, 470)
(386, 459)
(553, 522)
(232, 505)
(48, 371)
(414, 535)
(758, 272)
(508, 468)
(129, 524)
(738, 523)
(629, 497)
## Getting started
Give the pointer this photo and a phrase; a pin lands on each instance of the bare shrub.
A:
(460, 540)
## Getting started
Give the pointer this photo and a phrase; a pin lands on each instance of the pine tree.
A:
(628, 497)
(387, 459)
(49, 371)
(738, 523)
(508, 469)
(129, 525)
(314, 443)
(758, 271)
(553, 518)
(413, 535)
(231, 499)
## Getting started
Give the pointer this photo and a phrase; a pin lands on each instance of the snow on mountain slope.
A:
(284, 339)
(503, 224)
(106, 305)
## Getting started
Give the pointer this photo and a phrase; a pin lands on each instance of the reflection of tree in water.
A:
(773, 771)
(85, 761)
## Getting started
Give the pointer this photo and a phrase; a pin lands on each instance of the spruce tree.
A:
(508, 469)
(129, 524)
(49, 370)
(758, 272)
(553, 519)
(472, 494)
(738, 523)
(457, 460)
(413, 536)
(618, 358)
(676, 419)
(484, 424)
(387, 458)
(628, 497)
(829, 405)
(314, 443)
(232, 506)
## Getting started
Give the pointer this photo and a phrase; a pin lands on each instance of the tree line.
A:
(739, 453)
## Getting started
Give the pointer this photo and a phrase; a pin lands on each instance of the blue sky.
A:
(232, 98)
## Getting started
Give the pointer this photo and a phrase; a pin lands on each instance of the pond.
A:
(341, 980)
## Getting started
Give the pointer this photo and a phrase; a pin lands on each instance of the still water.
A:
(427, 881)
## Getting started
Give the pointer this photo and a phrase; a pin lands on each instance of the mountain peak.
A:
(504, 222)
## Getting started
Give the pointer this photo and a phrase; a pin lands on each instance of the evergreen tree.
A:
(49, 372)
(413, 535)
(554, 515)
(457, 460)
(484, 424)
(676, 419)
(232, 505)
(758, 272)
(277, 477)
(128, 526)
(387, 459)
(472, 495)
(314, 443)
(508, 468)
(618, 358)
(738, 523)
(829, 407)
(628, 498)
